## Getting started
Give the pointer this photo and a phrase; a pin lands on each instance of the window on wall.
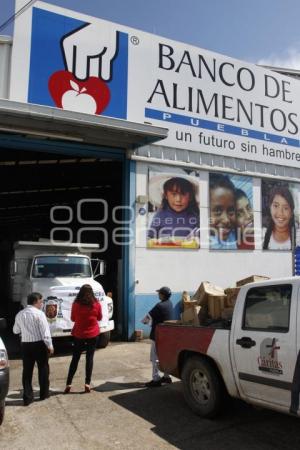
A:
(267, 308)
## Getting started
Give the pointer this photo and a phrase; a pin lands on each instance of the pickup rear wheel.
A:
(202, 387)
(2, 408)
(103, 340)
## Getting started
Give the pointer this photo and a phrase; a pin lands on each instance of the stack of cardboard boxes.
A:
(211, 299)
(211, 302)
(191, 309)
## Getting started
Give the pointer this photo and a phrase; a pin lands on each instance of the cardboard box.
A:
(190, 316)
(205, 289)
(216, 306)
(203, 314)
(189, 304)
(231, 296)
(138, 335)
(226, 314)
(185, 297)
(251, 279)
(173, 322)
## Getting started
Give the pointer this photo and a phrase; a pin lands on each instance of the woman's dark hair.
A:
(86, 295)
(182, 186)
(284, 192)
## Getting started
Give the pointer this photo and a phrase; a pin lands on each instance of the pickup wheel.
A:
(202, 387)
(2, 408)
(103, 340)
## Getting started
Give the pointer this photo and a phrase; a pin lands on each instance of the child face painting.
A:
(244, 213)
(177, 200)
(281, 213)
(222, 211)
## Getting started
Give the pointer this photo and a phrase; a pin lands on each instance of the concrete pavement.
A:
(121, 414)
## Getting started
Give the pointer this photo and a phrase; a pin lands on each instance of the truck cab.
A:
(58, 272)
(255, 357)
(265, 343)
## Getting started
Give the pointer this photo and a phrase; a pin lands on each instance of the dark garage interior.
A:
(33, 182)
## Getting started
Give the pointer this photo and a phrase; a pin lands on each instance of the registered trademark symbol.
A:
(134, 40)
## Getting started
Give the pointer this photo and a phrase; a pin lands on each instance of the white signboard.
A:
(209, 102)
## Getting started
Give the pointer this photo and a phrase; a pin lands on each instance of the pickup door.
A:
(264, 345)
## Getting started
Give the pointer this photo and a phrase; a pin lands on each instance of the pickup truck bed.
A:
(256, 359)
(182, 339)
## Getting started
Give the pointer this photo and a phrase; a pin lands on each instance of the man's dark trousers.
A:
(35, 352)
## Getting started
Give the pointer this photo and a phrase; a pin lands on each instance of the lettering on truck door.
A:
(264, 344)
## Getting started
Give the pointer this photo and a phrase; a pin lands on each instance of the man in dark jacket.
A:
(162, 311)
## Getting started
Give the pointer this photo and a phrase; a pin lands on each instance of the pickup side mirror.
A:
(99, 267)
(2, 324)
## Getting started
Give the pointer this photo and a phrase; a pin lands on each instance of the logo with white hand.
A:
(88, 53)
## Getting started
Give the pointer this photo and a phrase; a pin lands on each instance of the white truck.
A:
(58, 271)
(255, 357)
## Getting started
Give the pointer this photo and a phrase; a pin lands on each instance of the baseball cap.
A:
(166, 291)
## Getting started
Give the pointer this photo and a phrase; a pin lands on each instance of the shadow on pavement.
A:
(109, 386)
(174, 422)
(16, 398)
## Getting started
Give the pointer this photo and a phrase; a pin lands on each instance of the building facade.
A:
(181, 163)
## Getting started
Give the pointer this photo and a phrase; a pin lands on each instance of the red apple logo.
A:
(90, 96)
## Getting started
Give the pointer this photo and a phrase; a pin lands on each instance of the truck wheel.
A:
(103, 340)
(202, 387)
(2, 408)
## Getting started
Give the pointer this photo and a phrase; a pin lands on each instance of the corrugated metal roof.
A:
(206, 161)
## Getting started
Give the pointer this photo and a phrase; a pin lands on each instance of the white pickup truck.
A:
(254, 357)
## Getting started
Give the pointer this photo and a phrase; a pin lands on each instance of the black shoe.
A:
(293, 411)
(166, 380)
(153, 383)
(44, 397)
(27, 402)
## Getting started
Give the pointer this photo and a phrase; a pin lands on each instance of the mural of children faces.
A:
(278, 216)
(244, 220)
(222, 212)
(175, 222)
(231, 214)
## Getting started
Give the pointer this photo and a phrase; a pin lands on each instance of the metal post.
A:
(5, 56)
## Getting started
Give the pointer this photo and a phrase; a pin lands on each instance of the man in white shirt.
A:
(36, 346)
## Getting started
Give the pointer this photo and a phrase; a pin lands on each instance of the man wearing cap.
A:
(162, 311)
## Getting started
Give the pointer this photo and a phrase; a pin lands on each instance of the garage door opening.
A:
(44, 195)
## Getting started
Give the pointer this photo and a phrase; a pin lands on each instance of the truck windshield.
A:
(61, 266)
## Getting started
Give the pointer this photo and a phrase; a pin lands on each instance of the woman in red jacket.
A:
(86, 312)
